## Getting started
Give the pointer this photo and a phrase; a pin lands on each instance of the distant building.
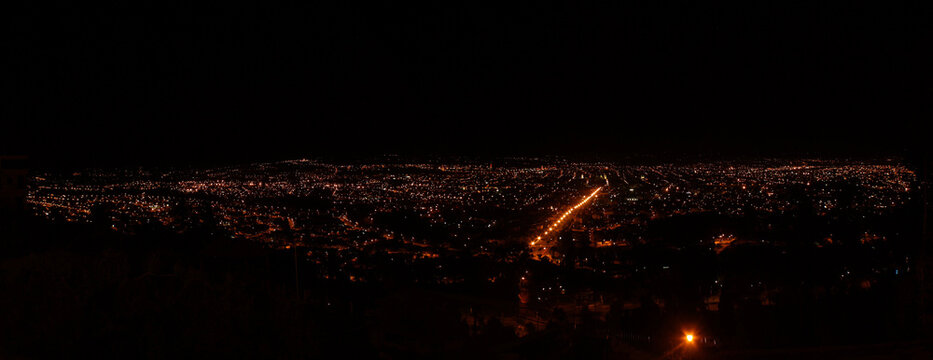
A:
(13, 171)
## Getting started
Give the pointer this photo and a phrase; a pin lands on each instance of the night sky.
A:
(146, 82)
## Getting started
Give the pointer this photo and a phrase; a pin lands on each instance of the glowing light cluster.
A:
(564, 216)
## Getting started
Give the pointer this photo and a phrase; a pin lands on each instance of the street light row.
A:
(565, 215)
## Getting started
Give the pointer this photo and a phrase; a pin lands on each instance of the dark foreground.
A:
(79, 291)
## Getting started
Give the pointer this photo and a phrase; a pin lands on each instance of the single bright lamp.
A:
(690, 338)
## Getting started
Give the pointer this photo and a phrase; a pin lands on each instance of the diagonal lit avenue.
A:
(548, 239)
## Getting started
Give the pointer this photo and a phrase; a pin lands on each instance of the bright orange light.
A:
(690, 338)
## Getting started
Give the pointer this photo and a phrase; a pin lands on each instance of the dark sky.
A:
(142, 82)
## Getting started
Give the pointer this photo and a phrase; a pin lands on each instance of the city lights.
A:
(540, 252)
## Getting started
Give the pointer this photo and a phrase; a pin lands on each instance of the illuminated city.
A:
(466, 225)
(520, 180)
